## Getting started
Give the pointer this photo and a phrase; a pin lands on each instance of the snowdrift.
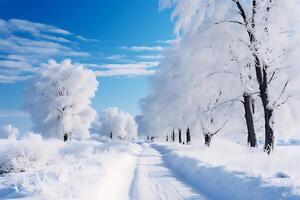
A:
(231, 171)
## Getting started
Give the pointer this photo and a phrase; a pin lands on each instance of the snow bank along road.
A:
(153, 180)
(169, 172)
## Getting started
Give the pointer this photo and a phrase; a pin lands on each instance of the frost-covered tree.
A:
(189, 78)
(9, 132)
(115, 123)
(259, 21)
(211, 120)
(248, 46)
(59, 100)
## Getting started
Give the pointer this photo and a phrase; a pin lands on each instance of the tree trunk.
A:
(66, 137)
(173, 136)
(261, 75)
(179, 136)
(167, 138)
(249, 110)
(207, 139)
(110, 135)
(188, 136)
(262, 79)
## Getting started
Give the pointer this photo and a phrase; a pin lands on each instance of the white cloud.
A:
(85, 39)
(150, 57)
(125, 69)
(16, 65)
(125, 72)
(12, 113)
(12, 78)
(21, 54)
(139, 65)
(144, 48)
(36, 28)
(116, 57)
(170, 42)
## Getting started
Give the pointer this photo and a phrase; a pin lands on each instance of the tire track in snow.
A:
(153, 180)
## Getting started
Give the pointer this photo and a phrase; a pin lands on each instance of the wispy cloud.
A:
(141, 65)
(169, 42)
(24, 45)
(12, 78)
(150, 57)
(117, 57)
(125, 69)
(125, 72)
(35, 28)
(144, 48)
(85, 39)
(12, 113)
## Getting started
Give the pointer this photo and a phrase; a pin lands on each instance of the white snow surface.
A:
(35, 168)
(155, 180)
(51, 169)
(231, 171)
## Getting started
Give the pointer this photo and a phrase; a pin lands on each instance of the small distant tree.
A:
(209, 124)
(118, 123)
(173, 136)
(188, 136)
(167, 138)
(59, 100)
(9, 132)
(179, 136)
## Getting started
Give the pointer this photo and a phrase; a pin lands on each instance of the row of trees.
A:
(230, 52)
(179, 135)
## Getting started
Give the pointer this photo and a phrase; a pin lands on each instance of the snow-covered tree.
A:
(9, 132)
(189, 78)
(115, 123)
(59, 100)
(246, 49)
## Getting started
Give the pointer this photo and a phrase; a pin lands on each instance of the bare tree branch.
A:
(230, 21)
(281, 94)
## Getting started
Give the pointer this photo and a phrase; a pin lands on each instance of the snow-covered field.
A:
(52, 169)
(35, 168)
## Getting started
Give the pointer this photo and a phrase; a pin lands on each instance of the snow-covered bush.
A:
(116, 123)
(59, 100)
(9, 132)
(30, 151)
(78, 169)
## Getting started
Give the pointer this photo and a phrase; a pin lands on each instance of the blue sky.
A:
(99, 33)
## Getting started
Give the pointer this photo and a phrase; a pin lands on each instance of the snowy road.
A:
(153, 180)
